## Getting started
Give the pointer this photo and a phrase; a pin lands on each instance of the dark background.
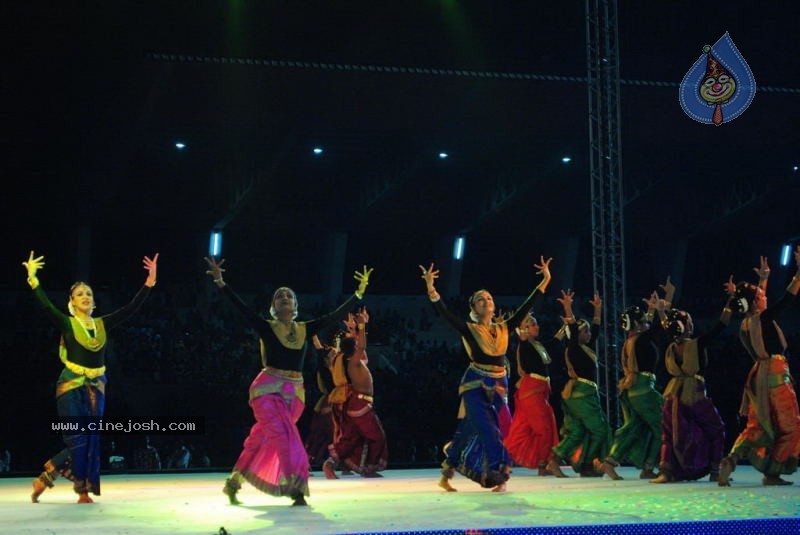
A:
(92, 111)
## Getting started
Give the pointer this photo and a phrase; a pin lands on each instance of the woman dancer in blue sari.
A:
(477, 450)
(80, 391)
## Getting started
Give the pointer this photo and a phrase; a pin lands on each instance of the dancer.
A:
(360, 441)
(320, 432)
(80, 391)
(585, 433)
(771, 438)
(693, 433)
(273, 459)
(533, 429)
(638, 441)
(477, 450)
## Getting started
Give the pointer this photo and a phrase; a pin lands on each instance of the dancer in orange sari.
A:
(771, 439)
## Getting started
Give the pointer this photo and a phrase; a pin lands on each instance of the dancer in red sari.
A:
(533, 430)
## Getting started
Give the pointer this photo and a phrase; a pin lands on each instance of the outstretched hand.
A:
(543, 267)
(33, 264)
(730, 286)
(668, 287)
(350, 322)
(362, 316)
(151, 265)
(363, 280)
(429, 275)
(566, 298)
(215, 268)
(763, 268)
(596, 302)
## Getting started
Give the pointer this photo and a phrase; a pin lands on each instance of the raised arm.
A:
(792, 289)
(328, 320)
(763, 272)
(794, 284)
(361, 319)
(429, 275)
(122, 314)
(597, 314)
(568, 318)
(669, 293)
(215, 271)
(724, 320)
(543, 269)
(33, 265)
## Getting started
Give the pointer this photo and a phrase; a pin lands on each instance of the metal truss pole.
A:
(608, 251)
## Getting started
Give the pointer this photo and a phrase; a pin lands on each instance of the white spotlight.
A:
(786, 254)
(215, 243)
(458, 248)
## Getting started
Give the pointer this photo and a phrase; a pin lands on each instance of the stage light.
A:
(443, 155)
(795, 168)
(786, 254)
(215, 243)
(458, 248)
(180, 145)
(566, 159)
(318, 151)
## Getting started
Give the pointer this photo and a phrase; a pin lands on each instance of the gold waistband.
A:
(91, 373)
(648, 374)
(488, 370)
(365, 397)
(286, 375)
(586, 381)
(540, 377)
(77, 382)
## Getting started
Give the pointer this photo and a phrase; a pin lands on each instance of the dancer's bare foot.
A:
(554, 467)
(608, 469)
(230, 489)
(84, 498)
(500, 488)
(647, 473)
(726, 468)
(329, 468)
(444, 482)
(38, 488)
(663, 477)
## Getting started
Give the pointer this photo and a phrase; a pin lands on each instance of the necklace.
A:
(91, 341)
(291, 336)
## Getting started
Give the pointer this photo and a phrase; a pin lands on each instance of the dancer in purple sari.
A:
(273, 459)
(693, 433)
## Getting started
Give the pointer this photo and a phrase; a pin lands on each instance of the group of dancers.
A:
(680, 433)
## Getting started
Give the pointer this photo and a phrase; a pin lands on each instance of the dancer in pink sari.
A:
(274, 459)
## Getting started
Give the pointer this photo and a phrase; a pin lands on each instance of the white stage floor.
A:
(404, 500)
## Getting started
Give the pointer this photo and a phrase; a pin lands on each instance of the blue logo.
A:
(720, 85)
